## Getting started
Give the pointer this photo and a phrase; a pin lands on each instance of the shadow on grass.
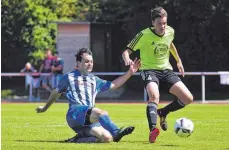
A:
(64, 141)
(49, 141)
(146, 142)
(170, 145)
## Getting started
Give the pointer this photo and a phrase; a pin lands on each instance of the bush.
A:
(6, 93)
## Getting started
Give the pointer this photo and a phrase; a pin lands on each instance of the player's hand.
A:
(40, 109)
(135, 66)
(128, 62)
(180, 68)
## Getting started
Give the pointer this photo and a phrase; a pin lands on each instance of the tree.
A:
(29, 27)
(41, 29)
(13, 19)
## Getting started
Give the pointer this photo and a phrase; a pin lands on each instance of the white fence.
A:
(202, 74)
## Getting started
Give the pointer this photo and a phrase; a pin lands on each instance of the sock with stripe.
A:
(151, 112)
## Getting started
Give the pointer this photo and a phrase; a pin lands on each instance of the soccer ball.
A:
(183, 127)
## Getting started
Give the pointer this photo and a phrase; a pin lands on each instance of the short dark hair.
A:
(158, 12)
(80, 52)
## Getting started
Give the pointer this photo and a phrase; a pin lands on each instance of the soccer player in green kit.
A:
(155, 45)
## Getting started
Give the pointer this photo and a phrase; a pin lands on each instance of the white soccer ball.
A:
(183, 127)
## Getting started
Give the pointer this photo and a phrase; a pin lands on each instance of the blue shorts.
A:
(76, 117)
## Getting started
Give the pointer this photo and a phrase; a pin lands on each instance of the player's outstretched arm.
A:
(52, 98)
(122, 79)
(174, 52)
(126, 57)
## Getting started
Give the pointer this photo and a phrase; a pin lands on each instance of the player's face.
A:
(48, 53)
(159, 25)
(28, 66)
(86, 64)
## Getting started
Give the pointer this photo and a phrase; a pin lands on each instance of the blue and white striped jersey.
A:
(81, 89)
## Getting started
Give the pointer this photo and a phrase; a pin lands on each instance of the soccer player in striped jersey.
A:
(155, 45)
(80, 88)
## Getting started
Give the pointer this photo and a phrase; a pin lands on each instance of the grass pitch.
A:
(23, 128)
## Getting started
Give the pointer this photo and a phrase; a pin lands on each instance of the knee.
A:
(154, 98)
(107, 139)
(100, 112)
(104, 113)
(189, 99)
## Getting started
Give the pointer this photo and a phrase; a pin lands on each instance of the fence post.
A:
(203, 88)
(31, 88)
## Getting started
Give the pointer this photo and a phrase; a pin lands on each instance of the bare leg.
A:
(102, 134)
(46, 87)
(182, 92)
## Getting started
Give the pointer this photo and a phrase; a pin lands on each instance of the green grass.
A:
(22, 128)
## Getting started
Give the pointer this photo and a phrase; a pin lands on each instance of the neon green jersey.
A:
(154, 50)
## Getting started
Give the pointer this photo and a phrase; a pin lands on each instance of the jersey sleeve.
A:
(102, 85)
(171, 31)
(33, 70)
(23, 70)
(173, 34)
(136, 43)
(63, 84)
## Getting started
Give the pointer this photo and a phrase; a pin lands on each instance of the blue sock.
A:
(107, 124)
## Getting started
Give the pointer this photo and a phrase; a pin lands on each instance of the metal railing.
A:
(202, 74)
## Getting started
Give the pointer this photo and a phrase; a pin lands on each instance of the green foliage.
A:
(39, 55)
(30, 26)
(6, 93)
(13, 19)
(40, 32)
